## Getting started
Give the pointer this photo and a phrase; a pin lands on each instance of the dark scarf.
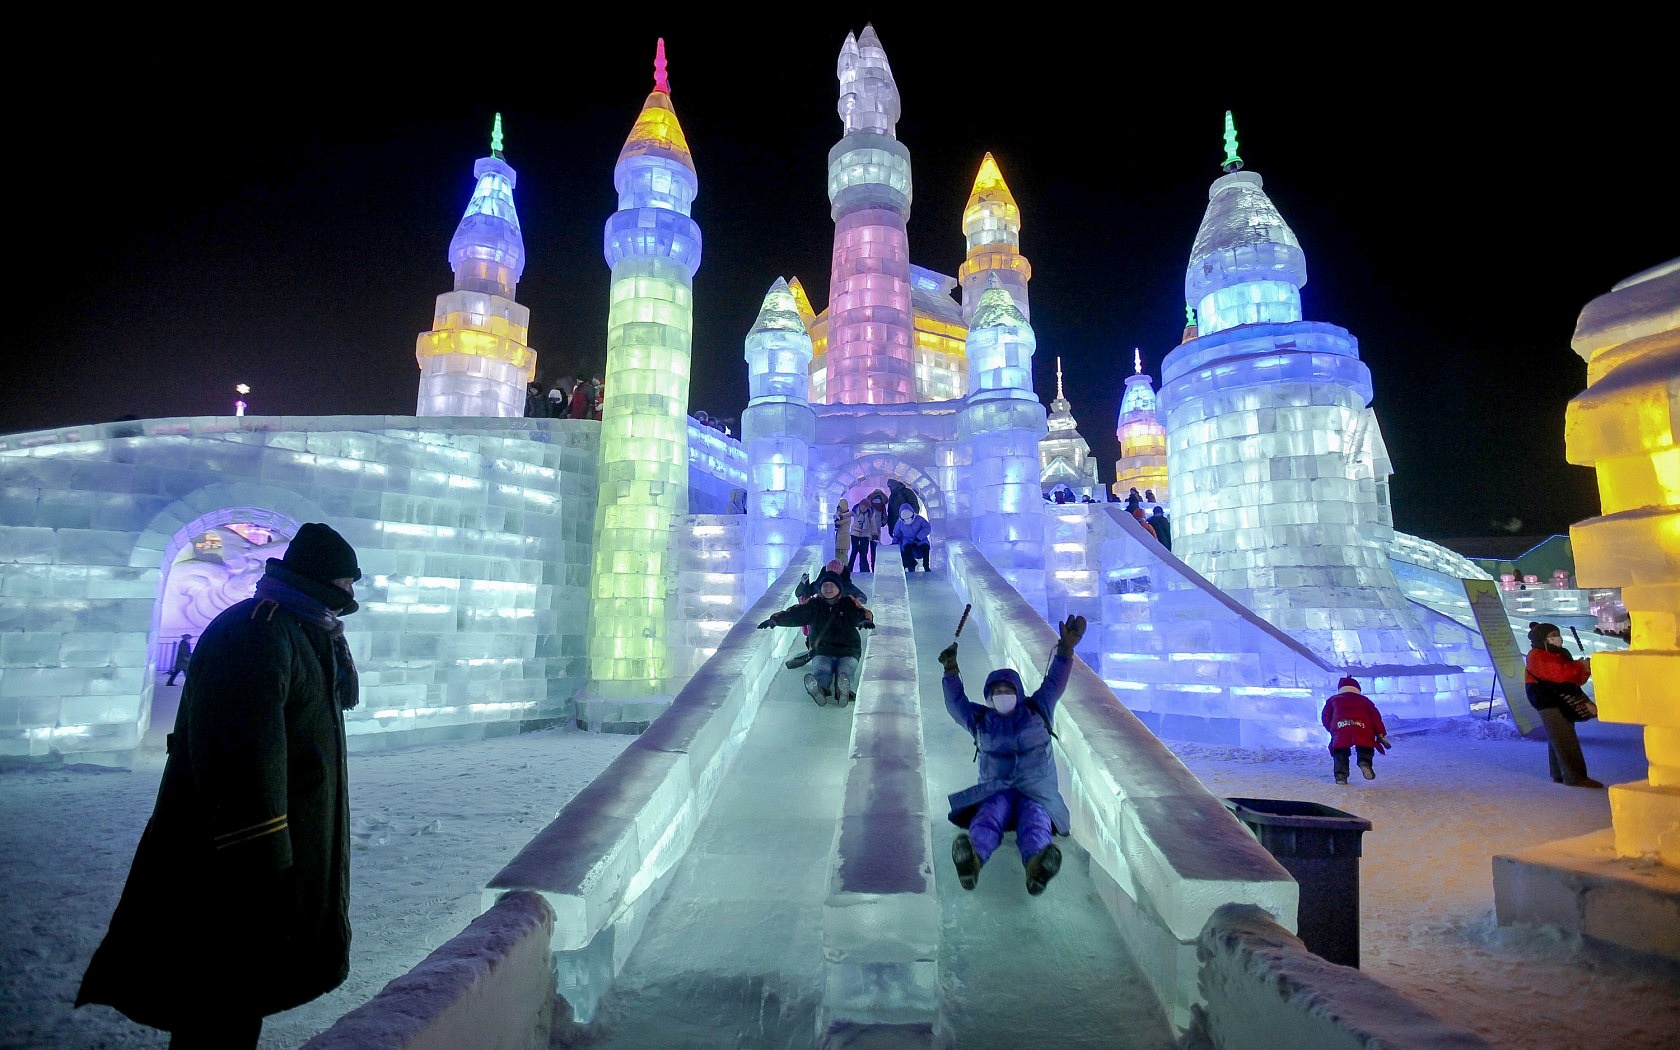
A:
(307, 600)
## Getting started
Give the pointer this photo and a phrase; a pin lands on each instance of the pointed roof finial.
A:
(1059, 396)
(1232, 161)
(496, 138)
(660, 82)
(1189, 315)
(1137, 361)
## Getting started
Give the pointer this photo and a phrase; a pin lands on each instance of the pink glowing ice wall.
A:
(870, 334)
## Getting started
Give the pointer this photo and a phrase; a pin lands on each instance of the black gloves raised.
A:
(948, 658)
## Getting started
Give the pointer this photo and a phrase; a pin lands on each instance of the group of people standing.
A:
(857, 530)
(565, 399)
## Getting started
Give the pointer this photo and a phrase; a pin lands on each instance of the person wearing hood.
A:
(237, 902)
(900, 495)
(1157, 520)
(1017, 790)
(878, 504)
(910, 532)
(842, 528)
(1354, 724)
(1551, 676)
(835, 619)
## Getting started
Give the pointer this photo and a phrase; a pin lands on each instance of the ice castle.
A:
(525, 571)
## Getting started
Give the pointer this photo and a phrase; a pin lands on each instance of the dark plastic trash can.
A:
(1319, 846)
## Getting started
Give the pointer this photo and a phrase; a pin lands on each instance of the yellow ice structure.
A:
(1624, 425)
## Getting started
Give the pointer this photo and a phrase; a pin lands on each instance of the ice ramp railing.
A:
(605, 861)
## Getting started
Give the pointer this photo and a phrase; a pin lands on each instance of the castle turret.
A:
(653, 249)
(869, 357)
(992, 228)
(1274, 455)
(777, 429)
(1003, 421)
(475, 361)
(1143, 439)
(1064, 456)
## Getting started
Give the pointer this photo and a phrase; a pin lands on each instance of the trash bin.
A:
(1319, 846)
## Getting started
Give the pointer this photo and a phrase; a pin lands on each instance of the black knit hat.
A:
(321, 554)
(1538, 632)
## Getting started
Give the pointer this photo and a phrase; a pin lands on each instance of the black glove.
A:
(867, 625)
(948, 658)
(765, 624)
(1070, 631)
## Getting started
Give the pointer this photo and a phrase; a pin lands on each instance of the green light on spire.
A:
(1232, 161)
(1189, 316)
(496, 136)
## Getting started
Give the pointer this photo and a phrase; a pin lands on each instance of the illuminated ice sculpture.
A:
(1143, 439)
(653, 250)
(1064, 456)
(1278, 468)
(777, 429)
(869, 359)
(475, 361)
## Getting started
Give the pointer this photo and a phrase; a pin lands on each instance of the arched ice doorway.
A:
(211, 563)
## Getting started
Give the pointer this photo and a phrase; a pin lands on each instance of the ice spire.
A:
(475, 361)
(777, 429)
(1232, 161)
(1143, 439)
(992, 227)
(653, 249)
(869, 357)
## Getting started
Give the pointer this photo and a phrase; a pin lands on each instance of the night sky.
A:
(276, 210)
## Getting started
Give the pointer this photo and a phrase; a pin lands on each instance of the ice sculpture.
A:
(777, 429)
(869, 357)
(1624, 425)
(1143, 440)
(1003, 422)
(1273, 454)
(475, 361)
(1064, 456)
(991, 225)
(653, 249)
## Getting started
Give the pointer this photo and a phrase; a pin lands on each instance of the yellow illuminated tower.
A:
(1143, 439)
(653, 249)
(992, 228)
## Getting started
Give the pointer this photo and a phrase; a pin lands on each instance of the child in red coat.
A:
(1355, 724)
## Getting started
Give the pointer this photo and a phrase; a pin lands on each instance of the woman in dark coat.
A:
(835, 618)
(237, 903)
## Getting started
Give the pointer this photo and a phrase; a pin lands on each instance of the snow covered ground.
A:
(432, 824)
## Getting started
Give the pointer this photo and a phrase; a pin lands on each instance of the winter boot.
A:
(925, 566)
(967, 861)
(816, 690)
(1042, 868)
(1366, 771)
(1341, 778)
(843, 692)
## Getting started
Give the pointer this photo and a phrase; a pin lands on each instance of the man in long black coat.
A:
(237, 904)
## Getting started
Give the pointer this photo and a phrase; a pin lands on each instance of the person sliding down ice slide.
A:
(1018, 789)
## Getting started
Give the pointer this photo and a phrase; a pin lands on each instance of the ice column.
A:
(992, 227)
(1271, 448)
(1143, 440)
(870, 357)
(474, 361)
(1003, 421)
(1624, 425)
(777, 429)
(653, 249)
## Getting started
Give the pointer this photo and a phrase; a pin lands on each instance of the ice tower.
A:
(1064, 454)
(869, 358)
(1143, 440)
(1273, 453)
(777, 429)
(1002, 421)
(992, 227)
(474, 361)
(653, 250)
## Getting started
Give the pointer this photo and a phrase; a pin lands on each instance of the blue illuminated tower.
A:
(777, 429)
(1278, 471)
(1002, 421)
(475, 361)
(653, 249)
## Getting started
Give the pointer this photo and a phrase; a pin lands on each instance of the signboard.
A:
(1501, 642)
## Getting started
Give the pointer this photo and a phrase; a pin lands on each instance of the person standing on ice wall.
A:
(237, 903)
(1018, 790)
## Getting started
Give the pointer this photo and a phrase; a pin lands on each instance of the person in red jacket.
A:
(1355, 724)
(1550, 673)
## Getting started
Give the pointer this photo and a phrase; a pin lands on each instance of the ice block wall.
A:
(1270, 450)
(869, 358)
(777, 428)
(475, 361)
(1002, 422)
(1623, 425)
(653, 249)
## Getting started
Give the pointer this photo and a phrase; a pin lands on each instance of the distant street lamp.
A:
(239, 406)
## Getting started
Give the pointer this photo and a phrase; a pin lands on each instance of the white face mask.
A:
(1003, 701)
